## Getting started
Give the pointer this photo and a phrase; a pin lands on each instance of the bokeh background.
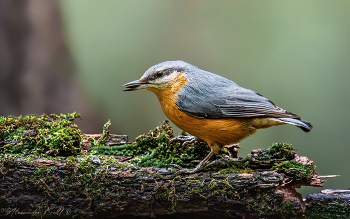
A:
(64, 56)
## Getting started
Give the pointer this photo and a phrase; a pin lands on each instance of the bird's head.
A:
(159, 77)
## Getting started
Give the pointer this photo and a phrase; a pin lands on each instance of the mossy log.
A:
(89, 179)
(63, 188)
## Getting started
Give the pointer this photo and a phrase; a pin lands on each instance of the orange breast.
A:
(224, 131)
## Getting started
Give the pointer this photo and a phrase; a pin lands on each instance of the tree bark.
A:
(96, 188)
(261, 185)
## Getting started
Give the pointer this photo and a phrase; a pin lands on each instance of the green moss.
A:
(118, 150)
(234, 170)
(298, 170)
(162, 193)
(236, 166)
(72, 161)
(282, 150)
(153, 149)
(80, 177)
(35, 135)
(277, 151)
(327, 209)
(105, 133)
(38, 134)
(267, 203)
(212, 185)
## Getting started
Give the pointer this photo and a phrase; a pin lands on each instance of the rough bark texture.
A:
(91, 188)
(98, 181)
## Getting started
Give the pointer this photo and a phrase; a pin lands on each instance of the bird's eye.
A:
(159, 74)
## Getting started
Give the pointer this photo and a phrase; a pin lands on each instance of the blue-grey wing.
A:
(223, 98)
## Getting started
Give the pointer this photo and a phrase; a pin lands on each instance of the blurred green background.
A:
(295, 53)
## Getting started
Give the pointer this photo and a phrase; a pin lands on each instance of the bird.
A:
(210, 107)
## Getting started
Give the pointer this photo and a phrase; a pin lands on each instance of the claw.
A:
(186, 140)
(175, 166)
(180, 169)
(183, 171)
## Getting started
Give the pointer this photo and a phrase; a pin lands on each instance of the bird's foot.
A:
(233, 150)
(175, 166)
(185, 140)
(199, 167)
(202, 166)
(183, 170)
(219, 161)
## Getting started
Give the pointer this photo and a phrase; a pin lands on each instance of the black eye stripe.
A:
(161, 73)
(165, 72)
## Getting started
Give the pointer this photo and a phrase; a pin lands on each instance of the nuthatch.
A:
(211, 107)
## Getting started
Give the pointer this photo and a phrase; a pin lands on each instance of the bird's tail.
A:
(304, 125)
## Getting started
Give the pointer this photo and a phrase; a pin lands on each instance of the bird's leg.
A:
(233, 153)
(186, 140)
(200, 166)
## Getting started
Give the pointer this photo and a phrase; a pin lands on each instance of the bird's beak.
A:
(135, 85)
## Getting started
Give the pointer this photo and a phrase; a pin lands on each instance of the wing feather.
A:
(224, 99)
